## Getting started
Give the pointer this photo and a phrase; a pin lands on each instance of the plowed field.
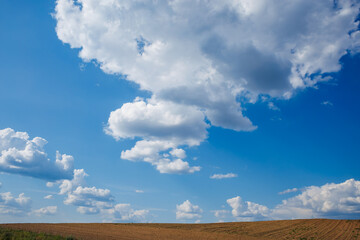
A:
(288, 229)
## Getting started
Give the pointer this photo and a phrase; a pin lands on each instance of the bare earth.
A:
(310, 229)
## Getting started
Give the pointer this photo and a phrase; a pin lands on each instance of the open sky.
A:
(179, 111)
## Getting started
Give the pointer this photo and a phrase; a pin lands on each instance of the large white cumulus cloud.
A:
(198, 58)
(21, 155)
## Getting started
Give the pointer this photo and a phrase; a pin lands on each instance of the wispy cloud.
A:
(327, 103)
(222, 176)
(288, 191)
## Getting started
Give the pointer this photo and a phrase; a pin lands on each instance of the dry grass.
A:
(289, 229)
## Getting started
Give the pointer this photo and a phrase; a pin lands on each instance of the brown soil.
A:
(310, 229)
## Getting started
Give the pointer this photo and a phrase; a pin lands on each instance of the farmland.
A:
(310, 229)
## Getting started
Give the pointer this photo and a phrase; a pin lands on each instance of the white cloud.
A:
(90, 200)
(289, 191)
(204, 55)
(148, 151)
(328, 201)
(327, 103)
(272, 106)
(158, 120)
(199, 57)
(88, 210)
(124, 212)
(49, 210)
(187, 210)
(341, 201)
(248, 211)
(139, 191)
(221, 213)
(49, 197)
(163, 126)
(222, 176)
(178, 152)
(14, 206)
(21, 155)
(67, 186)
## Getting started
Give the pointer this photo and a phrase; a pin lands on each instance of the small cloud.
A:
(221, 176)
(50, 184)
(49, 197)
(327, 103)
(198, 221)
(139, 191)
(82, 66)
(272, 106)
(124, 212)
(276, 119)
(50, 210)
(221, 213)
(187, 210)
(289, 191)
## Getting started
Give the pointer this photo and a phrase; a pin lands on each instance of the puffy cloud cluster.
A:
(21, 155)
(328, 201)
(14, 205)
(198, 59)
(222, 176)
(93, 200)
(187, 211)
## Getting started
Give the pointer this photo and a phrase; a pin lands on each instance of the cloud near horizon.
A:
(11, 205)
(199, 58)
(24, 156)
(328, 201)
(188, 211)
(49, 210)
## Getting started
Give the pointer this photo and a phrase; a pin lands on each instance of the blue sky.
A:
(276, 114)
